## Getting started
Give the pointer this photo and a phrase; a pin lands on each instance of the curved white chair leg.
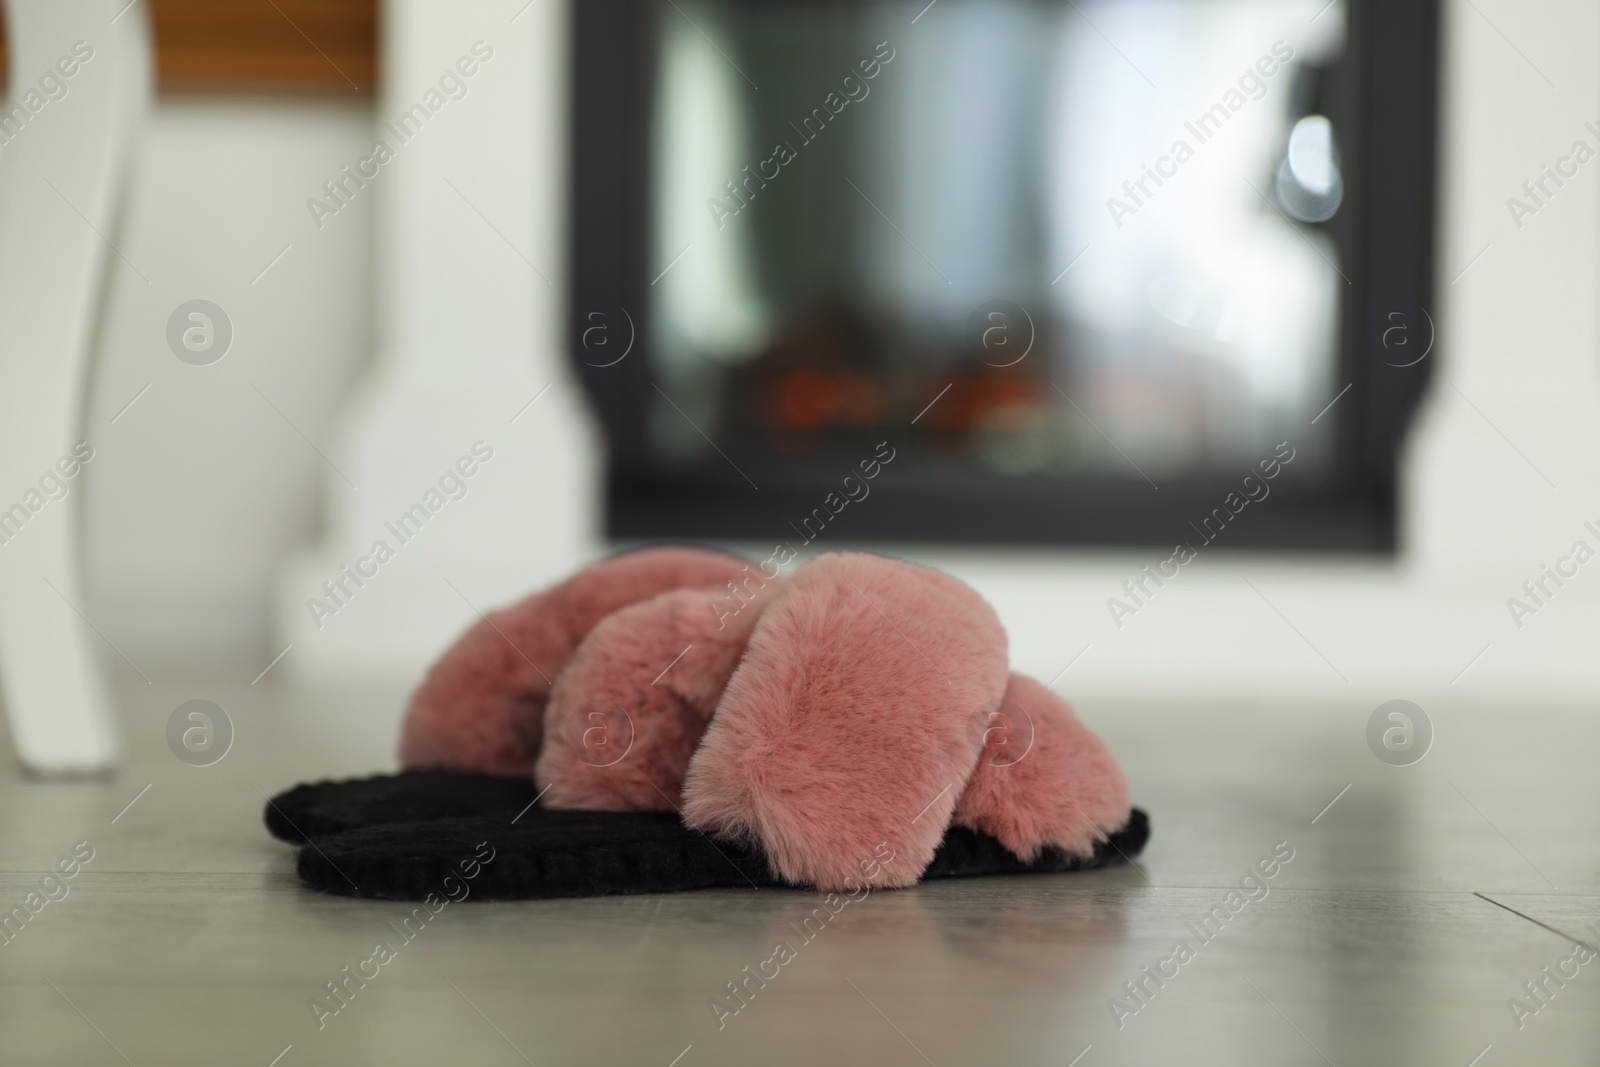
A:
(80, 77)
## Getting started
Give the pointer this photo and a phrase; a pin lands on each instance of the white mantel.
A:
(1518, 336)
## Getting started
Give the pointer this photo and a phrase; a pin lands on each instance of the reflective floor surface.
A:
(1418, 904)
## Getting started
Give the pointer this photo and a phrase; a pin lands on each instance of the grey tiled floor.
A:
(187, 940)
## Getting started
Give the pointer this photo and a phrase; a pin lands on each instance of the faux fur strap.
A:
(1043, 780)
(481, 707)
(844, 735)
(629, 710)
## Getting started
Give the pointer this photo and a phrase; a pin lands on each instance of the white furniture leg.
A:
(79, 86)
(470, 348)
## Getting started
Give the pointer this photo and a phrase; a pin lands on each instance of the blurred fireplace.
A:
(1080, 266)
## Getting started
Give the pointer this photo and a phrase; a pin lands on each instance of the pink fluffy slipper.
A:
(853, 726)
(481, 707)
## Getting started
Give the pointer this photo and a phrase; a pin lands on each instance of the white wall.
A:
(203, 490)
(200, 488)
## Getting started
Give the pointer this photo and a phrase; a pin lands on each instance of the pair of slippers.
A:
(675, 718)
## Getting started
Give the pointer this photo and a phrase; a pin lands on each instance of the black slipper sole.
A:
(317, 810)
(455, 836)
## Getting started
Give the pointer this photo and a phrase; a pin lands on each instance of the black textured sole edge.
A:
(402, 836)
